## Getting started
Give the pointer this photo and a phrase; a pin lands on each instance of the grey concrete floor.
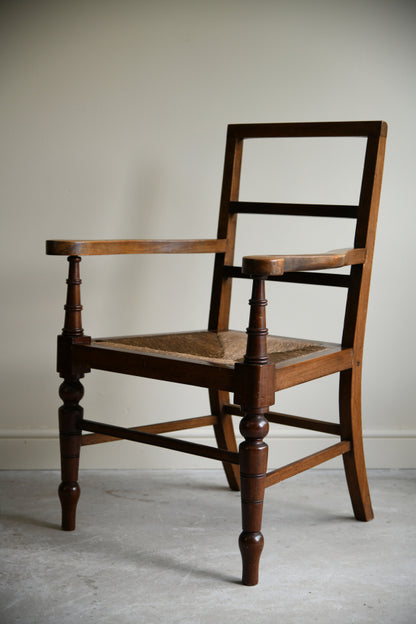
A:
(161, 547)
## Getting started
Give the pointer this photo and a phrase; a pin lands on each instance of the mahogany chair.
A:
(252, 366)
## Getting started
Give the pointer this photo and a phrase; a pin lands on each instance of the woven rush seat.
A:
(224, 348)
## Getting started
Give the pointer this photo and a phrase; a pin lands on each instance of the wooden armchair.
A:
(251, 365)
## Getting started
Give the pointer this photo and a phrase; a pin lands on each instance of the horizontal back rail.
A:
(309, 129)
(301, 210)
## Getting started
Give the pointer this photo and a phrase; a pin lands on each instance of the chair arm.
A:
(278, 265)
(102, 247)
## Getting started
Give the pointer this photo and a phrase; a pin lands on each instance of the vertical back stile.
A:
(357, 300)
(221, 287)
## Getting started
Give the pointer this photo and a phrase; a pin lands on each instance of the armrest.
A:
(278, 265)
(102, 247)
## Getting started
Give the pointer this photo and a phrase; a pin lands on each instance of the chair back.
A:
(364, 214)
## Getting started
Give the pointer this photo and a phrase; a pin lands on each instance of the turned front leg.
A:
(255, 395)
(71, 392)
(70, 413)
(253, 466)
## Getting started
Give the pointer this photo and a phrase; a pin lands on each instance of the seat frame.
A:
(254, 381)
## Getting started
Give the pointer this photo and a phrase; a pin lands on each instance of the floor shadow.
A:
(164, 562)
(29, 521)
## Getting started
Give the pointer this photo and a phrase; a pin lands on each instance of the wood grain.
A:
(104, 247)
(292, 421)
(162, 441)
(294, 468)
(311, 367)
(299, 277)
(164, 427)
(168, 368)
(278, 265)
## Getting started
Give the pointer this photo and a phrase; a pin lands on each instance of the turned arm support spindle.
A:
(73, 307)
(256, 352)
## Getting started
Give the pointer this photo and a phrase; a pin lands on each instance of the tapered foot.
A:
(68, 495)
(251, 546)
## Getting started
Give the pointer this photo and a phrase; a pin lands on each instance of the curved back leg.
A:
(224, 434)
(351, 429)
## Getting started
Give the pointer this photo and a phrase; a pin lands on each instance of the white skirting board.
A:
(39, 450)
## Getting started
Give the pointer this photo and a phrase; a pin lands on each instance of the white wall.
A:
(113, 120)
